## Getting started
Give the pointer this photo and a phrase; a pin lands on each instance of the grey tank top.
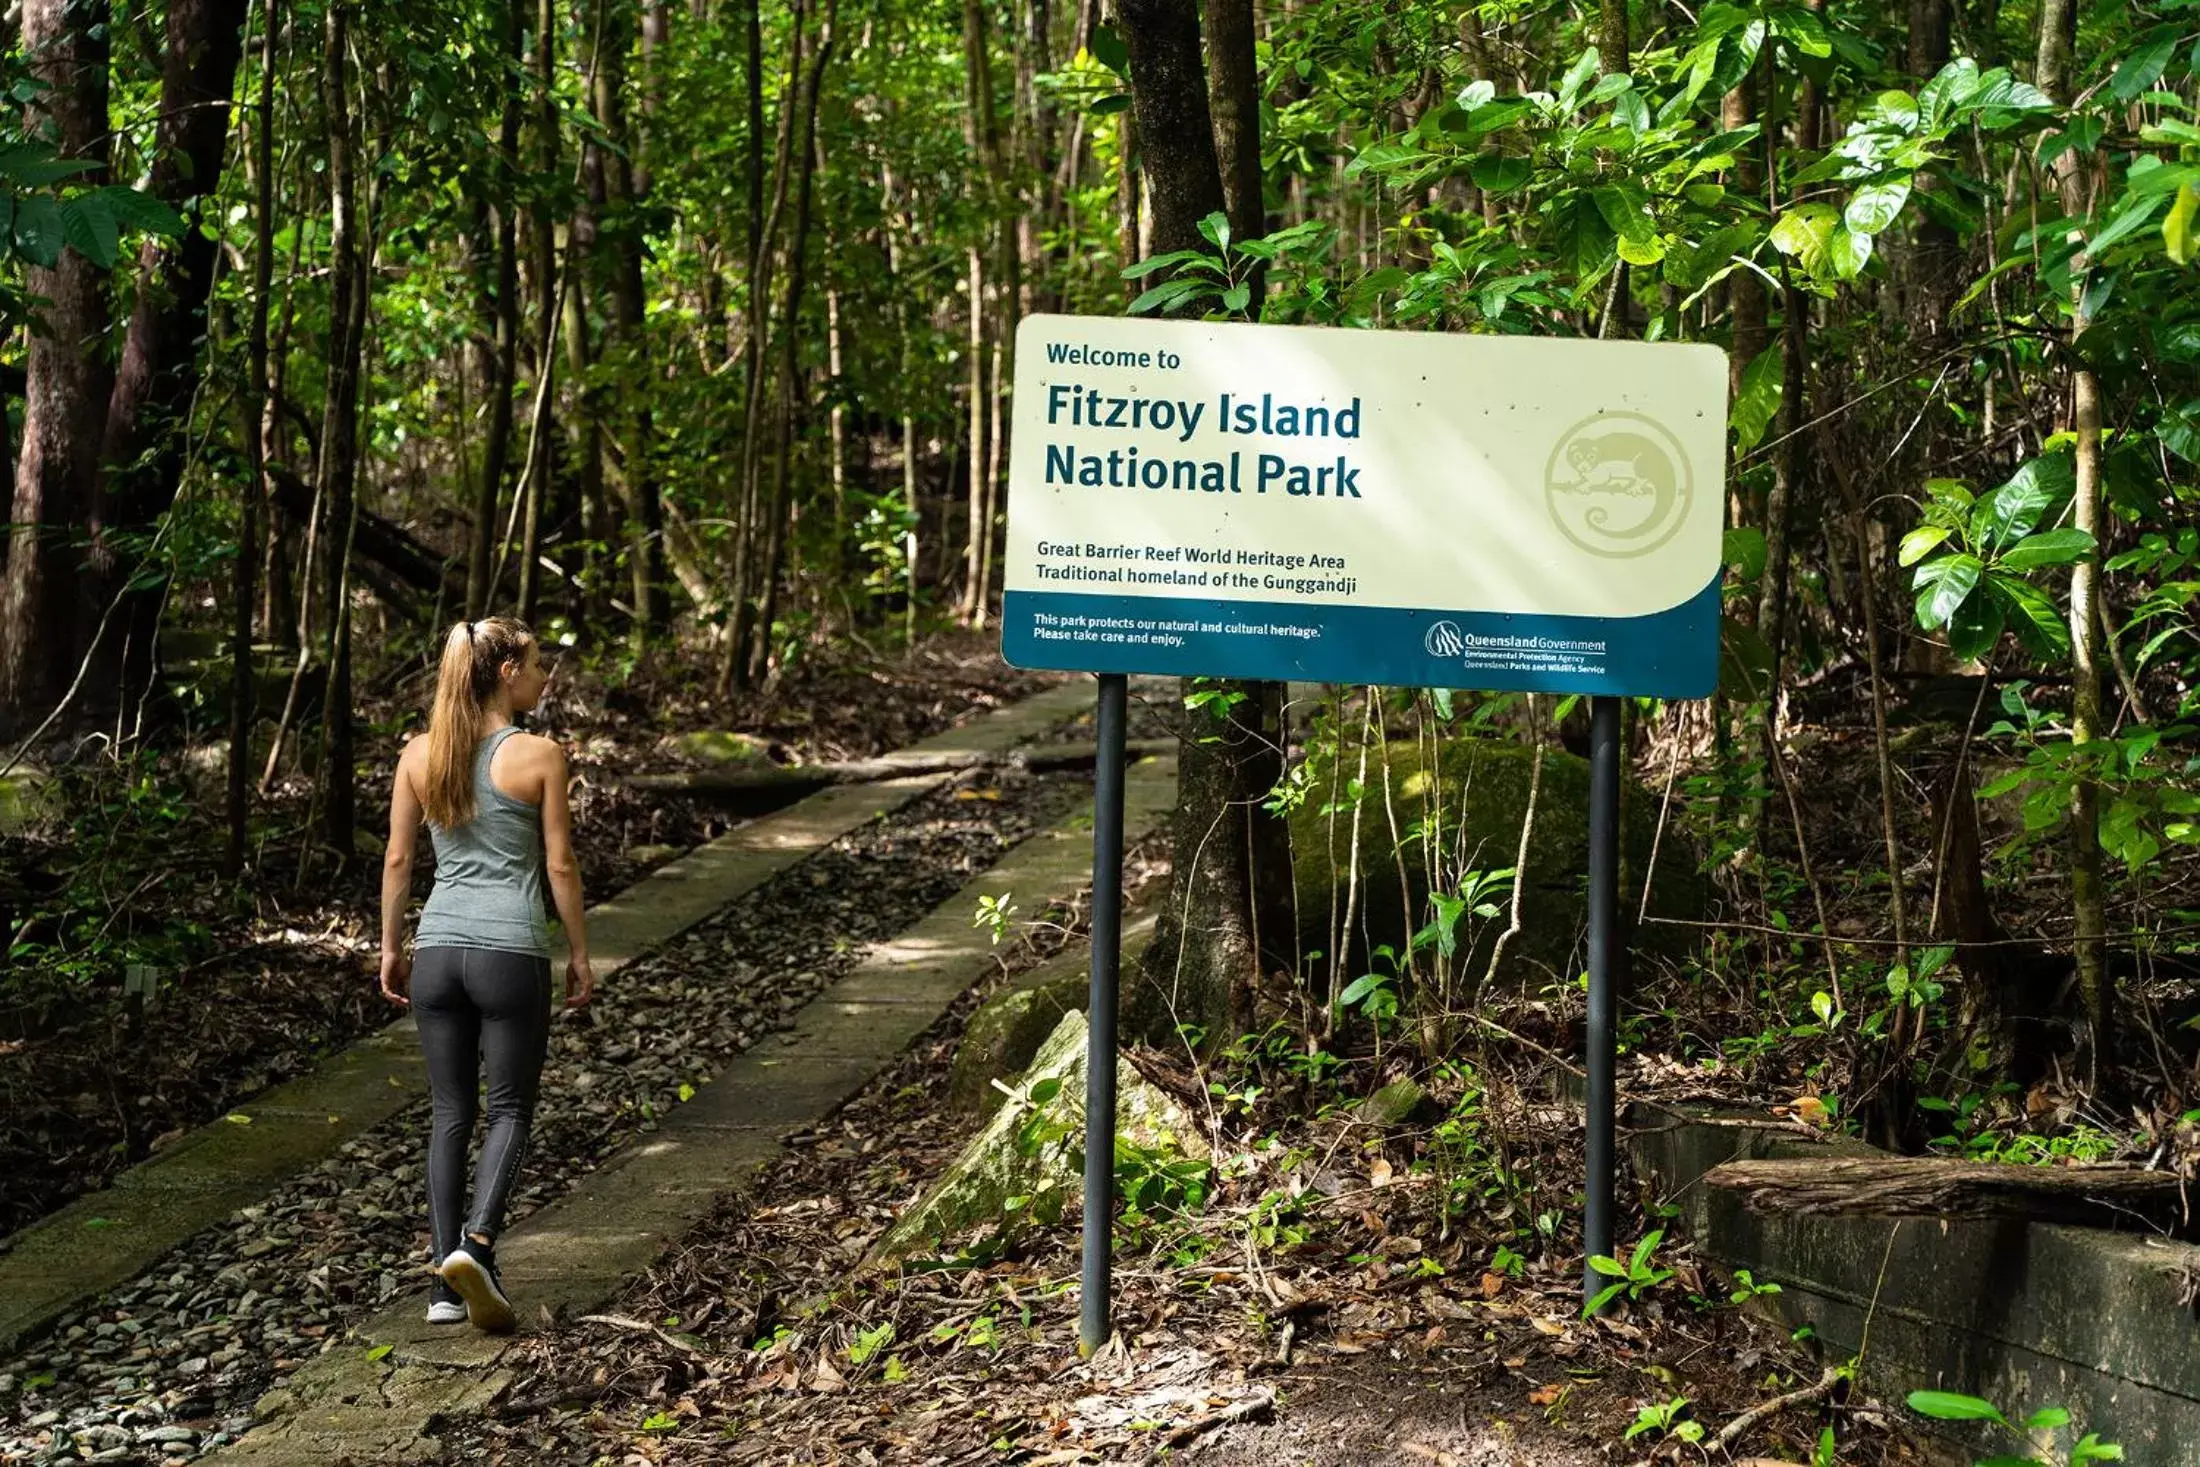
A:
(488, 872)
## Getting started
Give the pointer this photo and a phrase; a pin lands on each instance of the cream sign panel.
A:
(1370, 506)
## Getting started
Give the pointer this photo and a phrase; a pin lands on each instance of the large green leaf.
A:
(88, 223)
(1876, 205)
(1577, 78)
(1974, 628)
(1803, 234)
(1497, 174)
(1948, 1406)
(2033, 616)
(2177, 226)
(2010, 513)
(1943, 584)
(1627, 211)
(38, 236)
(2047, 548)
(1848, 252)
(1758, 400)
(143, 210)
(2144, 66)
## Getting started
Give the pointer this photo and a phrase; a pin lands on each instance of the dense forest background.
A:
(687, 332)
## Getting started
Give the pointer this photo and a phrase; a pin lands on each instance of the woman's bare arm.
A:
(564, 871)
(397, 872)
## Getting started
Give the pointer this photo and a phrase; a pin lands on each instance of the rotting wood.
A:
(1932, 1186)
(733, 784)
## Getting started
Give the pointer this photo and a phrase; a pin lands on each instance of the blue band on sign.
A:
(1670, 654)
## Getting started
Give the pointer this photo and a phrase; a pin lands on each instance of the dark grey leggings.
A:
(473, 1004)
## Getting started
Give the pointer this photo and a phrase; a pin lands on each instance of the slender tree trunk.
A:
(1218, 931)
(500, 363)
(620, 228)
(339, 458)
(790, 314)
(2088, 885)
(541, 437)
(251, 495)
(52, 609)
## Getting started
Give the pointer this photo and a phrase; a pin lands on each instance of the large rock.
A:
(1008, 1028)
(30, 801)
(1482, 788)
(1020, 1169)
(717, 746)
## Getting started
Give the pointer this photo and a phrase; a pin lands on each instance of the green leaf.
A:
(1758, 401)
(2129, 222)
(1237, 297)
(380, 1352)
(1494, 173)
(1743, 548)
(2160, 178)
(1215, 229)
(1382, 157)
(90, 227)
(1974, 628)
(1632, 112)
(2177, 230)
(1803, 233)
(38, 230)
(1921, 542)
(2008, 514)
(1948, 1406)
(1943, 585)
(1627, 211)
(1802, 30)
(2144, 66)
(1108, 49)
(1848, 252)
(2048, 547)
(1745, 661)
(1476, 94)
(2033, 616)
(34, 165)
(143, 210)
(1876, 205)
(1577, 77)
(1611, 1268)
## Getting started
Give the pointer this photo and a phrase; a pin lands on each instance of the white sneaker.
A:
(444, 1304)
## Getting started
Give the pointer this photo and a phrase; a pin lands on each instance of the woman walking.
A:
(494, 799)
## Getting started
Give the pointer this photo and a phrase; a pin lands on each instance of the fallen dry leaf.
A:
(1545, 1395)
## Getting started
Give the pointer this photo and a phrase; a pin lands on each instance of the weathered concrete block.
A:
(2024, 1314)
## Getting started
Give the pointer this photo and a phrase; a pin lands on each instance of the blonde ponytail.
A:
(474, 655)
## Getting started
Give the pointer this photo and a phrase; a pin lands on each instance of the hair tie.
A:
(469, 631)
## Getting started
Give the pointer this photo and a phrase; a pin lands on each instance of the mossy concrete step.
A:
(578, 1252)
(2024, 1314)
(107, 1238)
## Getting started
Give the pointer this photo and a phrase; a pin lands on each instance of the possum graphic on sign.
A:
(1622, 463)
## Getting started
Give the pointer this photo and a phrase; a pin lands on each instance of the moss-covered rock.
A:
(717, 746)
(30, 801)
(1019, 1170)
(1008, 1028)
(1481, 795)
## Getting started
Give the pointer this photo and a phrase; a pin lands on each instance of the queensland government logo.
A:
(1617, 485)
(1445, 640)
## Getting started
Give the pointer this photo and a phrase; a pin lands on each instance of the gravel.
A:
(169, 1365)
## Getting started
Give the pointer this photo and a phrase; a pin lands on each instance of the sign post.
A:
(1290, 503)
(1107, 948)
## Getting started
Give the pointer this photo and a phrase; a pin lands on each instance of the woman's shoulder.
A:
(537, 748)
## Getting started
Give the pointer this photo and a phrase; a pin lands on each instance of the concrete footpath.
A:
(106, 1238)
(360, 1403)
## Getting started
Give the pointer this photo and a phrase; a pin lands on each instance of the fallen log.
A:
(1941, 1186)
(397, 566)
(742, 783)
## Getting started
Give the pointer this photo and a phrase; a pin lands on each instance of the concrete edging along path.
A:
(579, 1251)
(2024, 1314)
(106, 1238)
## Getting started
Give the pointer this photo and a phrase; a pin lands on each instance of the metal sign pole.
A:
(1107, 923)
(1596, 1222)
